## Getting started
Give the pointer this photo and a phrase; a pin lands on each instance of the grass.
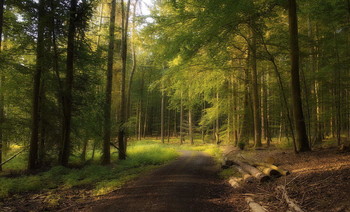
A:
(142, 156)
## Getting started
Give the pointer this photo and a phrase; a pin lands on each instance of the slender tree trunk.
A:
(162, 118)
(301, 136)
(106, 154)
(83, 153)
(255, 93)
(217, 124)
(66, 141)
(169, 118)
(190, 130)
(181, 120)
(34, 142)
(122, 139)
(2, 80)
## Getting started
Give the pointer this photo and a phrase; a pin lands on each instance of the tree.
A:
(107, 125)
(299, 122)
(1, 85)
(67, 106)
(34, 142)
(122, 139)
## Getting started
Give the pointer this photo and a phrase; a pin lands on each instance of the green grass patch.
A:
(142, 156)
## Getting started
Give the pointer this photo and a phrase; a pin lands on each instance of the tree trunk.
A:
(162, 119)
(2, 79)
(106, 155)
(181, 120)
(122, 140)
(190, 130)
(66, 141)
(34, 141)
(255, 92)
(301, 136)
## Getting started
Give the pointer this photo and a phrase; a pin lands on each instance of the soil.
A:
(319, 180)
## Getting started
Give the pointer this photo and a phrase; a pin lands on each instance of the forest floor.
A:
(319, 180)
(190, 183)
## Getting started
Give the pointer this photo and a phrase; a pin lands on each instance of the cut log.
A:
(235, 182)
(255, 207)
(253, 171)
(268, 171)
(280, 170)
(291, 204)
(245, 175)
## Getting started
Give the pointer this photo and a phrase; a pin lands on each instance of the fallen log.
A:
(235, 182)
(253, 171)
(291, 204)
(245, 175)
(280, 170)
(13, 156)
(255, 207)
(269, 171)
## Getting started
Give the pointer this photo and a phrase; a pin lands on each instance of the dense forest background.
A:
(93, 74)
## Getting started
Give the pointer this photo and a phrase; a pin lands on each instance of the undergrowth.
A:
(142, 156)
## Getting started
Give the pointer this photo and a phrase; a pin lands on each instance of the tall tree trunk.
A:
(255, 92)
(190, 129)
(168, 128)
(162, 118)
(106, 155)
(301, 136)
(122, 140)
(66, 141)
(217, 123)
(181, 120)
(34, 142)
(2, 79)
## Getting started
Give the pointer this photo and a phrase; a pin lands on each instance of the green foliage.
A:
(142, 157)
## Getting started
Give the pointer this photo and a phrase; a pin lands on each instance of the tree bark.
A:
(106, 155)
(34, 141)
(301, 136)
(190, 129)
(66, 141)
(122, 115)
(181, 120)
(162, 118)
(2, 79)
(255, 91)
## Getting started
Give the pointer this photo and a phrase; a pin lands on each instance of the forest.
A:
(95, 93)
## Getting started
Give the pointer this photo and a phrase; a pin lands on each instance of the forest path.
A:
(190, 183)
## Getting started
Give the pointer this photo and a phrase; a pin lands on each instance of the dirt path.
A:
(188, 184)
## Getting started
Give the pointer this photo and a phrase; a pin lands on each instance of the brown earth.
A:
(190, 183)
(319, 180)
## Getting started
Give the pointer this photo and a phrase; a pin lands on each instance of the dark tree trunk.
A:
(181, 120)
(66, 140)
(255, 93)
(301, 136)
(162, 118)
(106, 156)
(2, 78)
(190, 129)
(123, 110)
(34, 141)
